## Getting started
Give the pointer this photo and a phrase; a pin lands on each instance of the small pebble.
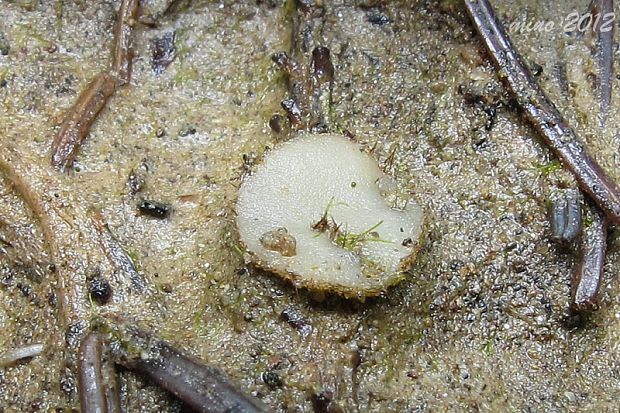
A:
(570, 396)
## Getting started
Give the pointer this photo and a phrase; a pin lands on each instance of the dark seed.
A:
(281, 59)
(154, 209)
(67, 383)
(322, 66)
(74, 333)
(100, 290)
(321, 401)
(272, 379)
(378, 19)
(275, 123)
(135, 181)
(537, 69)
(565, 217)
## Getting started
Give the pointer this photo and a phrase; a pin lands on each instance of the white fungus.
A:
(313, 212)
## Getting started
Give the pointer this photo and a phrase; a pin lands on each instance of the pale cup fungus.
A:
(313, 212)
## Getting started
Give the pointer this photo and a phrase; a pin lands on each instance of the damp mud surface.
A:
(480, 322)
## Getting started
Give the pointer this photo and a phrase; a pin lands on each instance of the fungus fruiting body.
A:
(315, 212)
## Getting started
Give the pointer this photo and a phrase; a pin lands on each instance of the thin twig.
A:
(20, 353)
(117, 255)
(541, 112)
(602, 11)
(202, 387)
(98, 385)
(587, 275)
(79, 119)
(122, 54)
(70, 267)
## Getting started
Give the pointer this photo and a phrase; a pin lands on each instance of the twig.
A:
(117, 255)
(98, 385)
(587, 275)
(92, 100)
(601, 11)
(21, 353)
(70, 267)
(204, 388)
(541, 112)
(78, 120)
(122, 54)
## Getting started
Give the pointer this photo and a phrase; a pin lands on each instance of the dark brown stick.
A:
(92, 100)
(25, 179)
(602, 11)
(587, 275)
(541, 112)
(122, 54)
(98, 388)
(204, 388)
(78, 120)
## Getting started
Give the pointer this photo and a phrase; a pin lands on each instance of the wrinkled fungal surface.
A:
(314, 212)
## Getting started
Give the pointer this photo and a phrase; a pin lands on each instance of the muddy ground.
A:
(479, 324)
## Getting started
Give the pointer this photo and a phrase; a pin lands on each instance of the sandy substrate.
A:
(479, 324)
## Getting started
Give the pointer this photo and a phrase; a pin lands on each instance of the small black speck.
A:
(25, 289)
(378, 19)
(275, 123)
(537, 69)
(353, 184)
(321, 401)
(52, 299)
(272, 379)
(154, 209)
(4, 83)
(100, 290)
